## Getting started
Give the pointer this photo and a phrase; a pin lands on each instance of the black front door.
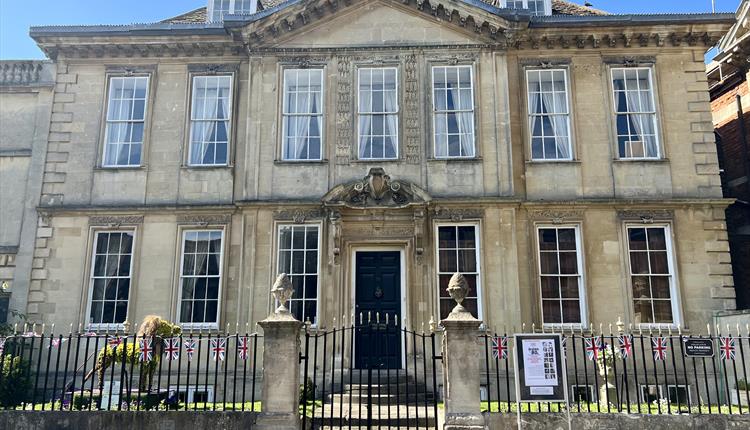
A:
(378, 293)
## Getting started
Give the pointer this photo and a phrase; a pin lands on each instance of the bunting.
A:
(242, 347)
(147, 352)
(626, 345)
(659, 345)
(500, 347)
(190, 348)
(727, 347)
(172, 348)
(218, 349)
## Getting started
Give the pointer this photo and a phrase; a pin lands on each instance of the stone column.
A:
(281, 352)
(461, 363)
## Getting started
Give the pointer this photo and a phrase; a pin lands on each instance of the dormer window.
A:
(535, 7)
(218, 8)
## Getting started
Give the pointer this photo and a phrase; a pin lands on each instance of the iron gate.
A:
(345, 389)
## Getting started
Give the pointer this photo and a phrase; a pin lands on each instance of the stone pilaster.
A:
(461, 371)
(281, 352)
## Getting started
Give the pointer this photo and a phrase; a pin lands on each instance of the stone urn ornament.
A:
(282, 291)
(458, 288)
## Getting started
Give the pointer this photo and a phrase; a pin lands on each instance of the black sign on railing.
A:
(698, 347)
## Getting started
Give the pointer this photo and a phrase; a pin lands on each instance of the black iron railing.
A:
(640, 372)
(370, 374)
(90, 371)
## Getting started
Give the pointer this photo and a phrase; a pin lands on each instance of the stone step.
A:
(401, 416)
(386, 388)
(380, 399)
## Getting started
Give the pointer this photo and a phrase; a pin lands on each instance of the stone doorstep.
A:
(340, 416)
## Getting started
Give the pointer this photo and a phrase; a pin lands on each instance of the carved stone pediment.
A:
(376, 190)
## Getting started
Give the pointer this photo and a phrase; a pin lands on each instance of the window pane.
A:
(201, 285)
(110, 277)
(453, 111)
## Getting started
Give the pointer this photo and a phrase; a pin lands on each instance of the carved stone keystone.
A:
(461, 370)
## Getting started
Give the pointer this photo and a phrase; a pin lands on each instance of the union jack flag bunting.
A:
(218, 349)
(659, 345)
(500, 347)
(593, 347)
(114, 342)
(190, 348)
(55, 342)
(172, 348)
(626, 345)
(147, 352)
(727, 347)
(243, 347)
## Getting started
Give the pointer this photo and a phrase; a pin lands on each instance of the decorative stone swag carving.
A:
(556, 216)
(645, 215)
(204, 219)
(115, 220)
(457, 214)
(299, 215)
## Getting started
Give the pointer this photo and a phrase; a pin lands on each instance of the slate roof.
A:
(559, 7)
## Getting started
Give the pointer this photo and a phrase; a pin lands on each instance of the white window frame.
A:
(319, 226)
(478, 257)
(547, 6)
(642, 397)
(200, 325)
(108, 326)
(654, 114)
(688, 400)
(190, 391)
(532, 115)
(581, 273)
(110, 93)
(435, 113)
(204, 120)
(588, 387)
(284, 115)
(359, 115)
(674, 289)
(231, 10)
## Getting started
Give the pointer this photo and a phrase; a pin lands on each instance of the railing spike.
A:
(523, 327)
(369, 317)
(679, 329)
(334, 323)
(360, 318)
(377, 317)
(610, 329)
(71, 328)
(387, 321)
(669, 329)
(708, 329)
(422, 327)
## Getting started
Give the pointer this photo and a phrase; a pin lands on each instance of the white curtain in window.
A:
(302, 125)
(365, 105)
(391, 105)
(643, 124)
(465, 120)
(552, 104)
(211, 110)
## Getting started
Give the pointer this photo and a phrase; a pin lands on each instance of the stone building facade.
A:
(730, 104)
(26, 91)
(565, 163)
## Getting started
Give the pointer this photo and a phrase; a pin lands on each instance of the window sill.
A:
(573, 162)
(105, 328)
(376, 160)
(451, 160)
(641, 160)
(199, 327)
(119, 168)
(295, 162)
(207, 167)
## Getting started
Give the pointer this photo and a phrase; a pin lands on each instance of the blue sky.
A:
(17, 16)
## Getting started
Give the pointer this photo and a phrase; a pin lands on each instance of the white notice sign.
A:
(539, 361)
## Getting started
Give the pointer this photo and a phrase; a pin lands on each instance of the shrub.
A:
(742, 384)
(15, 383)
(309, 394)
(86, 401)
